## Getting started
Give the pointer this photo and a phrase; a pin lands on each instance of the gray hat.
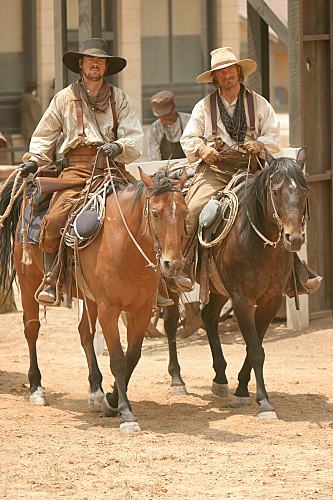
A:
(162, 102)
(95, 47)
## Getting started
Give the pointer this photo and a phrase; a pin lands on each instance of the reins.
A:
(275, 215)
(157, 246)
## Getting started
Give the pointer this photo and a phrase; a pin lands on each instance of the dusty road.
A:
(193, 447)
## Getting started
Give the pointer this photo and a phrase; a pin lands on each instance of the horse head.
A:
(166, 211)
(287, 198)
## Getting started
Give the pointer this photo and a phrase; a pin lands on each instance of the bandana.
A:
(235, 125)
(101, 101)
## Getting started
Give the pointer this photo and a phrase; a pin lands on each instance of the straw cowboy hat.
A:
(222, 58)
(95, 47)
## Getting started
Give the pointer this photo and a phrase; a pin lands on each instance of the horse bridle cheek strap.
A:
(275, 215)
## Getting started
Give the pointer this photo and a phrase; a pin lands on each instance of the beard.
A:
(93, 76)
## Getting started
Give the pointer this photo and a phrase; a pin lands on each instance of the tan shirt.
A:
(58, 128)
(199, 129)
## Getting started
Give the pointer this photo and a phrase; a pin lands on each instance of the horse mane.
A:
(163, 181)
(253, 199)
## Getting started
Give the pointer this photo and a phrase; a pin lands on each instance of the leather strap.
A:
(213, 112)
(250, 107)
(79, 112)
(114, 113)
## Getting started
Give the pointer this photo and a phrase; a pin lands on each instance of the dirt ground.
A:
(191, 447)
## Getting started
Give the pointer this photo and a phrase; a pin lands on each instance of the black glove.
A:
(30, 167)
(111, 149)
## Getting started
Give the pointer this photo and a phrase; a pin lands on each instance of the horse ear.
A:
(148, 181)
(183, 179)
(269, 158)
(301, 157)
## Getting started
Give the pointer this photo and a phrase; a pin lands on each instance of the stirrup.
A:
(48, 295)
(163, 301)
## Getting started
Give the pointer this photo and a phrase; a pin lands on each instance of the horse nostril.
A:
(167, 265)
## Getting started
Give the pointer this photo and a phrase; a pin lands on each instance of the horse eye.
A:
(274, 191)
(154, 214)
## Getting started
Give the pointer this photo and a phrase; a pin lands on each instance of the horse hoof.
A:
(38, 397)
(267, 416)
(95, 400)
(220, 389)
(107, 410)
(240, 402)
(129, 427)
(179, 389)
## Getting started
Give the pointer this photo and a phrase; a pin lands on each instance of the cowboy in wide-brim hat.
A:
(222, 58)
(94, 47)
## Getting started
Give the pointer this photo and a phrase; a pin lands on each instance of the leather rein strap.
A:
(79, 111)
(250, 107)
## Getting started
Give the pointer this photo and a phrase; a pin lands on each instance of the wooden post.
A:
(258, 50)
(297, 319)
(60, 43)
(90, 20)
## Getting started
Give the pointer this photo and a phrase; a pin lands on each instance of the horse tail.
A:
(7, 234)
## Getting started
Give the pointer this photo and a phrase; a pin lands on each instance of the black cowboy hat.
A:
(96, 47)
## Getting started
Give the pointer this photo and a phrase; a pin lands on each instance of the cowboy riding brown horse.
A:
(121, 275)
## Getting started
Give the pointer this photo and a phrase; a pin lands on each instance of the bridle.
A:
(146, 213)
(306, 216)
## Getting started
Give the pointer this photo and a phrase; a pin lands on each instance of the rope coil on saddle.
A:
(232, 204)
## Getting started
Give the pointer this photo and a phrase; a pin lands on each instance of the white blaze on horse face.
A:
(293, 184)
(174, 209)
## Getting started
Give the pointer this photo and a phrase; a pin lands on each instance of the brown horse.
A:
(254, 263)
(119, 279)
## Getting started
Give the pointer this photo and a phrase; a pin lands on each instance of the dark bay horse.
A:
(254, 263)
(119, 279)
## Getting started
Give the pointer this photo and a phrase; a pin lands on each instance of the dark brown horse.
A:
(119, 279)
(254, 273)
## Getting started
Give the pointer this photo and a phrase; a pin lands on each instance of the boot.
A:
(49, 295)
(307, 280)
(180, 283)
(163, 299)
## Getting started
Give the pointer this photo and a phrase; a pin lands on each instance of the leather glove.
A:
(253, 146)
(30, 167)
(208, 154)
(111, 149)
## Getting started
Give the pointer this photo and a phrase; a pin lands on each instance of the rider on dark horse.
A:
(228, 129)
(87, 115)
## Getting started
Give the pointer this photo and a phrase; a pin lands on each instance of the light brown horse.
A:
(119, 279)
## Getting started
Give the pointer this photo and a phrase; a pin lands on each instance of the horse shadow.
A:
(189, 418)
(13, 382)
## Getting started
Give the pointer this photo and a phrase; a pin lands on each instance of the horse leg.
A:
(255, 352)
(96, 393)
(108, 318)
(210, 315)
(264, 315)
(136, 328)
(170, 326)
(29, 282)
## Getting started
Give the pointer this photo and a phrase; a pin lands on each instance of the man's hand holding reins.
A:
(208, 154)
(111, 149)
(30, 167)
(253, 147)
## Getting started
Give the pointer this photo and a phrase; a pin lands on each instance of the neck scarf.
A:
(235, 125)
(101, 101)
